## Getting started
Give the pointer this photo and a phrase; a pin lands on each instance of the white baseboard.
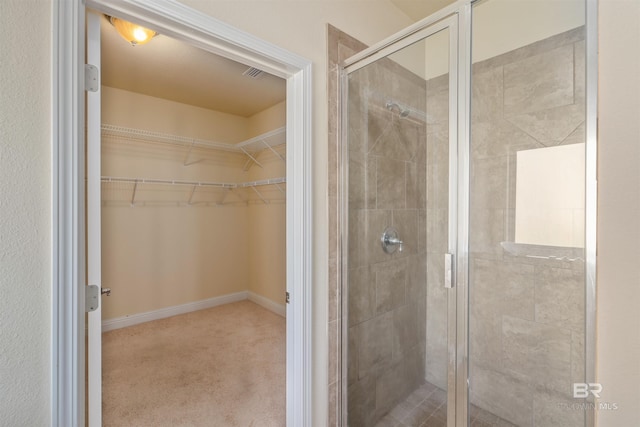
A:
(134, 319)
(278, 309)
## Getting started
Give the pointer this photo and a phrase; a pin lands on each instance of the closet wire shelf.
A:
(221, 191)
(141, 191)
(250, 147)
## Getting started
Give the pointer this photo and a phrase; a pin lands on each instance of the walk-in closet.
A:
(193, 225)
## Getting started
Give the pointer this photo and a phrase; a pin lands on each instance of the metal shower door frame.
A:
(459, 185)
(451, 18)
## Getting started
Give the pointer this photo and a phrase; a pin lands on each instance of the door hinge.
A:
(286, 297)
(91, 78)
(92, 298)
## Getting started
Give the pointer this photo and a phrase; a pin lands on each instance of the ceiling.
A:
(418, 10)
(171, 69)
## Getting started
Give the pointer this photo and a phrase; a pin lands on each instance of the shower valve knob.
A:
(394, 241)
(390, 241)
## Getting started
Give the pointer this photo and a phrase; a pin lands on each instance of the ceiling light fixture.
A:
(132, 33)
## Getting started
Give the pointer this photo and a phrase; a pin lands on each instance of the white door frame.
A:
(68, 226)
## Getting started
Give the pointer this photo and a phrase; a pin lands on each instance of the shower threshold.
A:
(427, 407)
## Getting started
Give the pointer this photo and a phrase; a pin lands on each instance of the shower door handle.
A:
(448, 271)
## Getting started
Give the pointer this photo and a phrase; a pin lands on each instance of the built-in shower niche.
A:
(549, 204)
(398, 177)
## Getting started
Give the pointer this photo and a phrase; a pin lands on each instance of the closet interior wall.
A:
(181, 244)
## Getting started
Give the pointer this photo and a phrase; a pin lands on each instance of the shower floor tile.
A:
(427, 407)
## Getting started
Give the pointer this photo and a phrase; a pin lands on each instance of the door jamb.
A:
(68, 187)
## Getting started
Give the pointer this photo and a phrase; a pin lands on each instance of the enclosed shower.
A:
(465, 218)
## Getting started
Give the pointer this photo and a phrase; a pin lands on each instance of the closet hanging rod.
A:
(137, 181)
(271, 181)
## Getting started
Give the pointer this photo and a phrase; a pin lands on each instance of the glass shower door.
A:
(500, 174)
(400, 134)
(527, 284)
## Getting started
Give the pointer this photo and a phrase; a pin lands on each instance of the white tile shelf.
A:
(558, 253)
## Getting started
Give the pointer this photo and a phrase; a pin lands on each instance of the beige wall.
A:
(619, 212)
(267, 224)
(299, 26)
(25, 305)
(122, 157)
(272, 118)
(157, 257)
(511, 24)
(267, 251)
(506, 25)
(135, 110)
(156, 254)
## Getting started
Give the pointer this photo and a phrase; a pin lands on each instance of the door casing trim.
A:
(68, 223)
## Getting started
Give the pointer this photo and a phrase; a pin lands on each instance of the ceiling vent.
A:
(254, 73)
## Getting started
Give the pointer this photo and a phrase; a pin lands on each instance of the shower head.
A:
(403, 112)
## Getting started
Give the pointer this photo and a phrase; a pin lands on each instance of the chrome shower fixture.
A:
(404, 112)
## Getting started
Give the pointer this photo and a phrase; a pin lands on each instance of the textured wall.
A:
(24, 212)
(619, 212)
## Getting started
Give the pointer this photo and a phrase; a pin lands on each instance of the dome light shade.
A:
(132, 33)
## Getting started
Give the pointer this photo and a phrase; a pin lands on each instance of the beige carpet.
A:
(223, 366)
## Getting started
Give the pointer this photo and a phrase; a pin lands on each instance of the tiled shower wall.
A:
(398, 176)
(388, 168)
(526, 314)
(398, 172)
(386, 292)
